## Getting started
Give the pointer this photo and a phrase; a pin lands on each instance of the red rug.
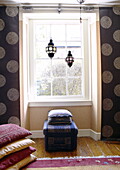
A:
(77, 161)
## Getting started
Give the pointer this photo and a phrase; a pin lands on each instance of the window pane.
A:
(59, 68)
(74, 44)
(43, 68)
(43, 87)
(61, 52)
(76, 69)
(61, 49)
(54, 77)
(42, 32)
(58, 32)
(73, 33)
(59, 87)
(76, 52)
(74, 86)
(40, 50)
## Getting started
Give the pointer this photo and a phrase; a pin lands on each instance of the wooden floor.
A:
(85, 147)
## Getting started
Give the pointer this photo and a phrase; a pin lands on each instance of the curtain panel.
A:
(110, 53)
(9, 65)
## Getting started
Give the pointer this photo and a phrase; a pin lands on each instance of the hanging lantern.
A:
(69, 59)
(51, 49)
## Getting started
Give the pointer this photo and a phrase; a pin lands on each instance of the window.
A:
(53, 78)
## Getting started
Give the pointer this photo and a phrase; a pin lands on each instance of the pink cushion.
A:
(11, 132)
(14, 158)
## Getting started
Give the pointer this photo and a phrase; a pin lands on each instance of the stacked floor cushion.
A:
(15, 149)
(60, 131)
(59, 116)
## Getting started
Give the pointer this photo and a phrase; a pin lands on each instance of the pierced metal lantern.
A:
(69, 59)
(51, 49)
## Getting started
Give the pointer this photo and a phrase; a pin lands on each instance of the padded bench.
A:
(60, 137)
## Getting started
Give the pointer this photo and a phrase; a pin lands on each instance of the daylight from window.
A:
(53, 77)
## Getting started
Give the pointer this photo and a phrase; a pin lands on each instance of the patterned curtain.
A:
(110, 50)
(9, 65)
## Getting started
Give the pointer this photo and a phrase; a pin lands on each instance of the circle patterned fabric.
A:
(3, 108)
(110, 58)
(117, 63)
(11, 11)
(2, 24)
(107, 104)
(106, 22)
(9, 65)
(12, 38)
(2, 52)
(12, 66)
(107, 77)
(106, 49)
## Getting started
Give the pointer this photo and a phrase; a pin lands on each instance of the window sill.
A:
(59, 103)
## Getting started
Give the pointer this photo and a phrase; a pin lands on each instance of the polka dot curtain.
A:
(110, 50)
(9, 65)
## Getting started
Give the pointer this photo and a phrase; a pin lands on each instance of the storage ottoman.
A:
(60, 137)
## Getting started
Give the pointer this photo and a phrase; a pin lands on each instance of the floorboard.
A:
(85, 147)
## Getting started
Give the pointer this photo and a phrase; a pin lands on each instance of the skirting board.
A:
(81, 133)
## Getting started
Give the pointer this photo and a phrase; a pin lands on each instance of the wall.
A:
(24, 110)
(81, 116)
(96, 76)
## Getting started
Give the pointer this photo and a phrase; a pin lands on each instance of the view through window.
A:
(53, 77)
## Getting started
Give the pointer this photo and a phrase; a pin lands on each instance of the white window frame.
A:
(62, 100)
